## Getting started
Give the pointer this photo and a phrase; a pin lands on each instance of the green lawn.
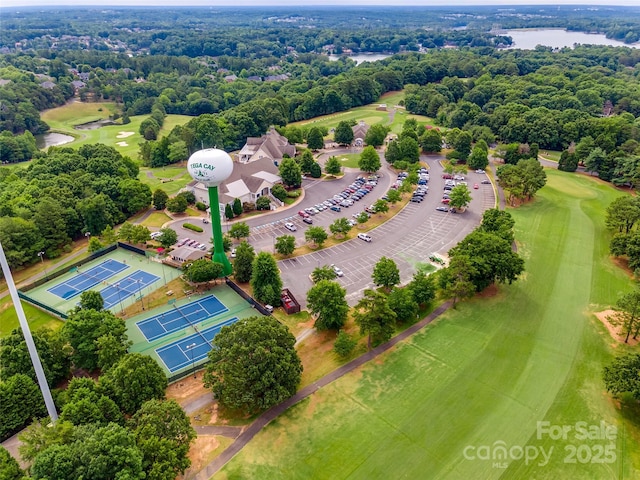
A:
(482, 376)
(36, 318)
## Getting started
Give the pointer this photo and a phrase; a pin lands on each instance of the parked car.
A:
(415, 199)
(290, 226)
(364, 236)
(337, 270)
(204, 220)
(303, 214)
(480, 171)
(446, 201)
(308, 220)
(485, 182)
(233, 253)
(476, 186)
(335, 208)
(155, 235)
(442, 209)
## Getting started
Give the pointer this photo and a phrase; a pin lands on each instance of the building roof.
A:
(271, 145)
(187, 253)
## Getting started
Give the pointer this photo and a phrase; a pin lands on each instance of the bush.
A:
(263, 203)
(201, 206)
(248, 207)
(293, 194)
(344, 344)
(195, 228)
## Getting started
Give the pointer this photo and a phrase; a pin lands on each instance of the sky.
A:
(264, 3)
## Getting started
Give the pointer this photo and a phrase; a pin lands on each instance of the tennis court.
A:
(192, 349)
(126, 287)
(86, 279)
(180, 317)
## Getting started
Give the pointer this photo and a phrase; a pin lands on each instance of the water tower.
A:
(211, 167)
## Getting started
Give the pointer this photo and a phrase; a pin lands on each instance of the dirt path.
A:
(244, 438)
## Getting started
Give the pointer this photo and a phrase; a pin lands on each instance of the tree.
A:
(39, 436)
(177, 204)
(628, 314)
(332, 166)
(285, 244)
(327, 301)
(263, 203)
(460, 197)
(492, 259)
(314, 139)
(568, 161)
(422, 288)
(140, 234)
(455, 280)
(316, 235)
(239, 230)
(15, 359)
(533, 176)
(323, 273)
(374, 317)
(9, 467)
(242, 264)
(163, 434)
(344, 344)
(168, 237)
(99, 453)
(86, 405)
(621, 376)
(253, 365)
(340, 227)
(315, 171)
(431, 141)
(343, 134)
(20, 402)
(362, 218)
(402, 302)
(135, 379)
(133, 196)
(83, 328)
(279, 192)
(237, 207)
(595, 160)
(498, 222)
(94, 245)
(109, 236)
(380, 206)
(386, 273)
(369, 160)
(393, 196)
(91, 300)
(204, 270)
(228, 212)
(462, 144)
(622, 214)
(290, 173)
(375, 135)
(265, 279)
(478, 159)
(110, 350)
(306, 161)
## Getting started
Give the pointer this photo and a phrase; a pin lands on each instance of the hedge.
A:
(195, 228)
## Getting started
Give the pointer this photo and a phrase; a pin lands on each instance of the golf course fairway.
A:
(504, 386)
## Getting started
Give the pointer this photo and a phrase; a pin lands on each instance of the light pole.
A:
(119, 297)
(139, 282)
(193, 363)
(41, 255)
(274, 243)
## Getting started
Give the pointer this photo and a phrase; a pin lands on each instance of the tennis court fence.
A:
(246, 296)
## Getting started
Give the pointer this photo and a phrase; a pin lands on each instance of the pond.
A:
(94, 125)
(52, 139)
(528, 38)
(362, 57)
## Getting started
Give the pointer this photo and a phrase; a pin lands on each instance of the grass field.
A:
(124, 138)
(36, 317)
(483, 376)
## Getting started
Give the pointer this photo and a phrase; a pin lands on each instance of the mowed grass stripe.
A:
(485, 373)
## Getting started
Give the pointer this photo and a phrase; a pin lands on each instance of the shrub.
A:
(248, 207)
(195, 228)
(201, 206)
(293, 194)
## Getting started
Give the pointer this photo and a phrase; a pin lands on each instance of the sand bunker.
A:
(122, 144)
(614, 330)
(125, 134)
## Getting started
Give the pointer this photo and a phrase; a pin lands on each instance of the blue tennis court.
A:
(85, 280)
(180, 317)
(130, 285)
(176, 355)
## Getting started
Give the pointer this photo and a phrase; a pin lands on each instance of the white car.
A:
(364, 236)
(233, 253)
(337, 270)
(155, 235)
(480, 171)
(290, 226)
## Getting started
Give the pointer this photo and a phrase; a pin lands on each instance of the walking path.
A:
(207, 472)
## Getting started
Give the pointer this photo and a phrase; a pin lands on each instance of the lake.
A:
(528, 38)
(52, 139)
(363, 57)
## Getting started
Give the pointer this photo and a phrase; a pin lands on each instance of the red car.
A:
(447, 176)
(445, 200)
(476, 186)
(303, 214)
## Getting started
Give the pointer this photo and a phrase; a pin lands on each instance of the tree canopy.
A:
(326, 300)
(253, 365)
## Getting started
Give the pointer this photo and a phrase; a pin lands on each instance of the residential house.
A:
(271, 145)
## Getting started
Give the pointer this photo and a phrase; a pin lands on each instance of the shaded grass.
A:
(156, 219)
(484, 373)
(36, 317)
